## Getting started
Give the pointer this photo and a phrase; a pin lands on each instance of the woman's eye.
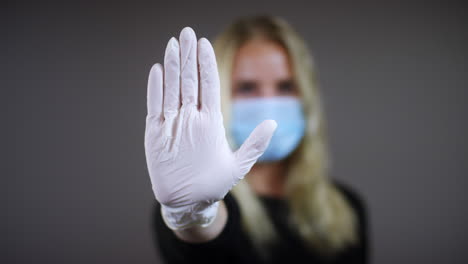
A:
(287, 87)
(246, 87)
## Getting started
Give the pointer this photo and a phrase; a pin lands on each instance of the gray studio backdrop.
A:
(73, 83)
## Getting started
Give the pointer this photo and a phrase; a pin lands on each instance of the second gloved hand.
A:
(189, 160)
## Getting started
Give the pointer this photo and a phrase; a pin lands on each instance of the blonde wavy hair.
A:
(319, 212)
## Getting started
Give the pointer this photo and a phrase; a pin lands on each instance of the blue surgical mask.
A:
(286, 111)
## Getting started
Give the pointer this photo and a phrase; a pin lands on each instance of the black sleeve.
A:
(225, 248)
(358, 253)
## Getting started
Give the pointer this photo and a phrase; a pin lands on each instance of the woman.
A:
(265, 94)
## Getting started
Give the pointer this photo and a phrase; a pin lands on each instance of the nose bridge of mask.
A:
(267, 108)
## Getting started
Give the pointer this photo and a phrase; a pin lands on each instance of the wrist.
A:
(179, 218)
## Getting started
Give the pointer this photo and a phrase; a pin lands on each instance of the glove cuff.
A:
(178, 218)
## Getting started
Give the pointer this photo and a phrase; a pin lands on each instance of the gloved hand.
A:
(190, 163)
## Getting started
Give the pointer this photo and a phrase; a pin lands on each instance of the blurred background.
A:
(73, 82)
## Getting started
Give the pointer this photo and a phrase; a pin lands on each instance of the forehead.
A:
(259, 59)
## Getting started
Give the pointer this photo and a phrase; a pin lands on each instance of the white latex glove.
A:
(189, 160)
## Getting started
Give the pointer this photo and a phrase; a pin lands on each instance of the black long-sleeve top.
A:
(233, 245)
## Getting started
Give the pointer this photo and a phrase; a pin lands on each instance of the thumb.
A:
(254, 146)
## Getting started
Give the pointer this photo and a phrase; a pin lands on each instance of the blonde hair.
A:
(319, 212)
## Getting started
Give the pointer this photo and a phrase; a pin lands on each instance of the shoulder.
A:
(355, 199)
(358, 204)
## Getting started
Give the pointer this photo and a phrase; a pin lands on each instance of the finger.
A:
(188, 67)
(255, 145)
(171, 79)
(209, 78)
(155, 91)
